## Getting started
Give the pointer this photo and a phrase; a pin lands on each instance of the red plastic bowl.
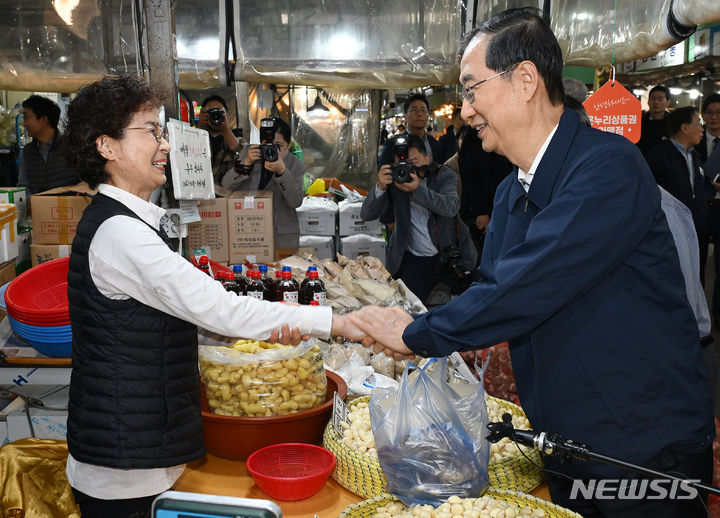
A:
(39, 295)
(291, 471)
(238, 437)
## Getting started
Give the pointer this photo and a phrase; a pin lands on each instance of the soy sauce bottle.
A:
(313, 290)
(240, 279)
(255, 288)
(288, 289)
(228, 281)
(307, 276)
(204, 265)
(270, 285)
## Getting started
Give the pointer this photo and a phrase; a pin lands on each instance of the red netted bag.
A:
(499, 379)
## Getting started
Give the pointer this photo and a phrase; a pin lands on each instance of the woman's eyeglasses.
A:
(156, 128)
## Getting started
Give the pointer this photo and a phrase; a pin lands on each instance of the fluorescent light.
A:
(675, 91)
(694, 93)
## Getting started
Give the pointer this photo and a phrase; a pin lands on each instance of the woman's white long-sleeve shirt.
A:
(129, 260)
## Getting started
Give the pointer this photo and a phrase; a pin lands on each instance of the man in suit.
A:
(676, 167)
(709, 152)
(448, 142)
(580, 274)
(654, 121)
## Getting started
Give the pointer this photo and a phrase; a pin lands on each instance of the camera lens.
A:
(401, 172)
(216, 116)
(269, 153)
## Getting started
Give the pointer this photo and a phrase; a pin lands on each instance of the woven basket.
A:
(361, 473)
(515, 472)
(368, 507)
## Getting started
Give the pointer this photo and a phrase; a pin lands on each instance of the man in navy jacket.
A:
(580, 275)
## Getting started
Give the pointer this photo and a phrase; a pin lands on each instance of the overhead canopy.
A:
(60, 45)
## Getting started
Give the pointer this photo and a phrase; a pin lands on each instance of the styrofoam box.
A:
(324, 245)
(362, 244)
(317, 216)
(350, 222)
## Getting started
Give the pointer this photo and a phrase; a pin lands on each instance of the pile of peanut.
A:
(264, 388)
(483, 507)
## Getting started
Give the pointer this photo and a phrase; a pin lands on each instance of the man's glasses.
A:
(421, 111)
(156, 128)
(468, 92)
(711, 113)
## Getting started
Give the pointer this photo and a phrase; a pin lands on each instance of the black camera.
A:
(268, 150)
(401, 170)
(451, 261)
(216, 116)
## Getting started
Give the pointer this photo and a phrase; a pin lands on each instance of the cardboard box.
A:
(211, 232)
(46, 424)
(361, 244)
(324, 246)
(250, 226)
(44, 253)
(350, 222)
(56, 213)
(18, 196)
(317, 216)
(7, 272)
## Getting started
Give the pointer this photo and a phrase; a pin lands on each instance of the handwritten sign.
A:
(190, 160)
(612, 108)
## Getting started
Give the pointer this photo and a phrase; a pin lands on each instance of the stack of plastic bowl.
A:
(36, 303)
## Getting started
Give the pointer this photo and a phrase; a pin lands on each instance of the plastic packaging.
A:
(430, 436)
(263, 381)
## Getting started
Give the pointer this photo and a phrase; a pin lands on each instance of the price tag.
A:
(616, 110)
(340, 415)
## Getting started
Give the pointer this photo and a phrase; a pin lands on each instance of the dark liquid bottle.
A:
(307, 276)
(204, 264)
(228, 281)
(270, 285)
(240, 279)
(313, 290)
(255, 288)
(288, 288)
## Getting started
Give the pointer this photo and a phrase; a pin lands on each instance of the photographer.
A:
(223, 142)
(270, 166)
(430, 243)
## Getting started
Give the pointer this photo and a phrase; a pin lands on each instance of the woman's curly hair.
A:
(105, 107)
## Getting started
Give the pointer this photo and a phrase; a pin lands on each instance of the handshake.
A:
(379, 327)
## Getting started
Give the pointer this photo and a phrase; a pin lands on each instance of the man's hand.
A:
(715, 185)
(253, 155)
(384, 328)
(482, 221)
(277, 167)
(384, 177)
(343, 326)
(410, 186)
(286, 336)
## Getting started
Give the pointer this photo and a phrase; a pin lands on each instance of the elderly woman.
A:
(134, 415)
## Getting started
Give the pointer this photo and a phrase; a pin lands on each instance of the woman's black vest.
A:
(135, 389)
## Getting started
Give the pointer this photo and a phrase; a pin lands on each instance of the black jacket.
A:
(671, 173)
(135, 389)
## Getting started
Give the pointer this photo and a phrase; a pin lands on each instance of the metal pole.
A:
(162, 57)
(242, 94)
